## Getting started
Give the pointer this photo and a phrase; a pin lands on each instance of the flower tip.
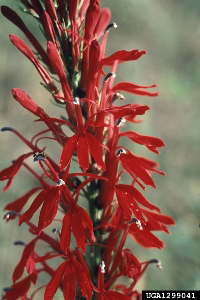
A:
(76, 101)
(11, 213)
(157, 261)
(6, 128)
(60, 182)
(102, 266)
(56, 230)
(120, 151)
(16, 243)
(110, 74)
(111, 25)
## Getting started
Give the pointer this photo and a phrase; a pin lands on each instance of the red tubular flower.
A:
(105, 294)
(30, 55)
(48, 27)
(27, 102)
(49, 197)
(19, 289)
(70, 270)
(85, 143)
(79, 221)
(122, 56)
(19, 203)
(138, 167)
(134, 89)
(104, 18)
(37, 6)
(27, 260)
(11, 171)
(151, 142)
(14, 18)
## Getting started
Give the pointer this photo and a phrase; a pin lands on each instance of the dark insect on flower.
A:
(39, 156)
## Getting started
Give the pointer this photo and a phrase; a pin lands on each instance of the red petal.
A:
(82, 279)
(160, 217)
(123, 55)
(35, 205)
(123, 204)
(127, 110)
(19, 289)
(85, 217)
(65, 232)
(134, 89)
(15, 19)
(69, 285)
(78, 229)
(19, 270)
(55, 282)
(134, 167)
(132, 191)
(49, 208)
(18, 204)
(96, 150)
(68, 151)
(83, 153)
(150, 142)
(146, 238)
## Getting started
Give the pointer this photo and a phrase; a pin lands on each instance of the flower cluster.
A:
(76, 32)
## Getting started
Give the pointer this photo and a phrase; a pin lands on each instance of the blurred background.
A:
(170, 33)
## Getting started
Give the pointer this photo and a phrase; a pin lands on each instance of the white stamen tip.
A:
(120, 151)
(76, 101)
(60, 182)
(102, 266)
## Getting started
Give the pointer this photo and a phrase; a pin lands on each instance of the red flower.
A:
(49, 197)
(19, 289)
(77, 220)
(151, 142)
(11, 171)
(28, 261)
(138, 167)
(15, 18)
(70, 270)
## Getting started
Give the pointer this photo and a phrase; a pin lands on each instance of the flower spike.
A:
(86, 215)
